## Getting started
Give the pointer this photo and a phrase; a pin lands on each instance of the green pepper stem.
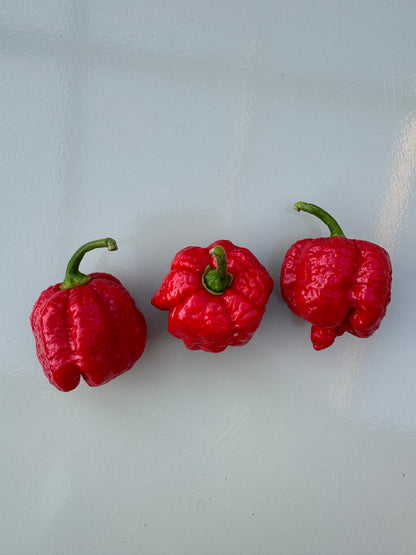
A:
(216, 280)
(334, 227)
(73, 276)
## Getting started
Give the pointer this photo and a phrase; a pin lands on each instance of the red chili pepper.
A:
(87, 326)
(210, 307)
(336, 284)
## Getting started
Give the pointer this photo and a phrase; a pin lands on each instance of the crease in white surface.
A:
(56, 488)
(241, 132)
(350, 369)
(239, 420)
(400, 193)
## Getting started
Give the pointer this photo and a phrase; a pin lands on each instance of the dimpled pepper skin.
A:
(87, 326)
(337, 284)
(216, 296)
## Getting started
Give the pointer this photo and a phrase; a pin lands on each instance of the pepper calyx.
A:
(216, 280)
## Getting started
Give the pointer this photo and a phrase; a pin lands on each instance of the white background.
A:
(172, 123)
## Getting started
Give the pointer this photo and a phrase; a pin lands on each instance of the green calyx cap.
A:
(333, 226)
(216, 280)
(73, 276)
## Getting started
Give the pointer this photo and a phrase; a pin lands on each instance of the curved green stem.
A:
(216, 280)
(73, 276)
(334, 227)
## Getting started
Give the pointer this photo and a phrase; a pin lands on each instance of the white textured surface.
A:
(171, 123)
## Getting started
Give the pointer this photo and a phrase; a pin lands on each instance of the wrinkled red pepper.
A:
(336, 284)
(216, 296)
(87, 326)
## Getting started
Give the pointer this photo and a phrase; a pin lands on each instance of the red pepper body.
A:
(93, 330)
(338, 285)
(208, 321)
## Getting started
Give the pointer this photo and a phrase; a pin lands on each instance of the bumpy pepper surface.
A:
(87, 326)
(216, 296)
(336, 284)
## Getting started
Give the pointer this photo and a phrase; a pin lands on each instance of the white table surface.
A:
(172, 123)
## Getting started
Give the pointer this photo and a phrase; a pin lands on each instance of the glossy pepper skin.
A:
(216, 296)
(87, 326)
(337, 284)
